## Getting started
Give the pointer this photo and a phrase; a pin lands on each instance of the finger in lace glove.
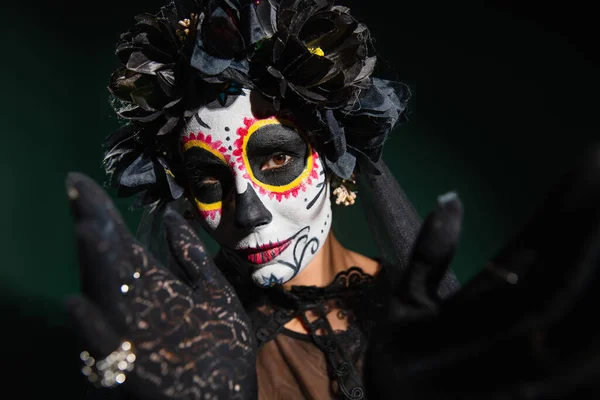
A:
(191, 338)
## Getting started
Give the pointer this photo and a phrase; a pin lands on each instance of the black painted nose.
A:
(250, 212)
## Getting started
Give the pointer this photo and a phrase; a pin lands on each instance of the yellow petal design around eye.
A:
(316, 51)
(217, 205)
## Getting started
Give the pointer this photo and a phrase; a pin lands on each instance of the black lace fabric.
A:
(189, 334)
(326, 360)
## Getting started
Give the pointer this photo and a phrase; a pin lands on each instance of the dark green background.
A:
(502, 105)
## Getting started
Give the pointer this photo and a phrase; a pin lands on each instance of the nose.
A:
(250, 212)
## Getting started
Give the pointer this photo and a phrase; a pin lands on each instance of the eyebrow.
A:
(201, 122)
(198, 155)
(272, 137)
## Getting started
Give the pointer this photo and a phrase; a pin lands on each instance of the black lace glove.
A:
(523, 328)
(188, 333)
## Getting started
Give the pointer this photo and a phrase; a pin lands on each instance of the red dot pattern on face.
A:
(287, 190)
(206, 142)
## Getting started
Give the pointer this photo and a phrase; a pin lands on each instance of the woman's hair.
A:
(308, 56)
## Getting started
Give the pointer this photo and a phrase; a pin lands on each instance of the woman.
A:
(243, 117)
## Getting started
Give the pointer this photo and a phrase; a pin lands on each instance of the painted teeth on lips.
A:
(265, 252)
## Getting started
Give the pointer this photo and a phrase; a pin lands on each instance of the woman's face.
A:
(258, 185)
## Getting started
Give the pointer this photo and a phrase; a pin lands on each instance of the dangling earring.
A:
(345, 190)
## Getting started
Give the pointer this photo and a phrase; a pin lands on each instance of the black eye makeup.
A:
(209, 177)
(277, 154)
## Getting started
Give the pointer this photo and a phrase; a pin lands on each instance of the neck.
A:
(330, 260)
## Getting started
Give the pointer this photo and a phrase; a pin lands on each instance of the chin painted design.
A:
(303, 243)
(258, 185)
(300, 246)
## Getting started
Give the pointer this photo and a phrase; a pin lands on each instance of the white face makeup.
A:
(259, 187)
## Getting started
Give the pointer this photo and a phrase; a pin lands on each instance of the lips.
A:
(264, 253)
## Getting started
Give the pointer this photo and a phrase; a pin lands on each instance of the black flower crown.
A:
(310, 56)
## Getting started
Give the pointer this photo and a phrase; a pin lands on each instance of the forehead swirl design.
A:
(299, 184)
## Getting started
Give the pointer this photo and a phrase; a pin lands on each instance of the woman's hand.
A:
(188, 333)
(523, 328)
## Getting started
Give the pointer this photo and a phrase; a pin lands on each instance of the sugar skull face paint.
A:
(258, 185)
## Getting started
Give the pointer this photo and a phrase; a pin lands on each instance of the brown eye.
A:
(209, 180)
(277, 161)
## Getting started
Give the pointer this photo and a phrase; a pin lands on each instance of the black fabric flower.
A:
(310, 56)
(365, 127)
(317, 52)
(219, 48)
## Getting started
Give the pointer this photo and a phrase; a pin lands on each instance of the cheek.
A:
(308, 207)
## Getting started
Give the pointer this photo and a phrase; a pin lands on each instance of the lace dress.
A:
(326, 363)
